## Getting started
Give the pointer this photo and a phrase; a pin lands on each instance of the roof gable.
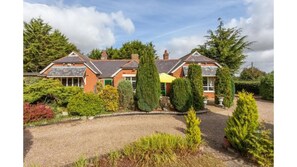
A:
(109, 67)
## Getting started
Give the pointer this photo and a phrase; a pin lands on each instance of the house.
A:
(79, 70)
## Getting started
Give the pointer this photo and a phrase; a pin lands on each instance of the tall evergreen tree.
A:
(148, 88)
(42, 45)
(223, 86)
(225, 45)
(195, 77)
(134, 47)
(95, 54)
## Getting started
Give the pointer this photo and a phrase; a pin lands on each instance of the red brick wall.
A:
(117, 78)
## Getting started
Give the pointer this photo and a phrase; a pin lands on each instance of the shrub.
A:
(193, 133)
(248, 86)
(66, 93)
(37, 112)
(243, 122)
(148, 88)
(223, 86)
(181, 94)
(110, 97)
(85, 104)
(195, 77)
(260, 146)
(233, 91)
(125, 90)
(267, 87)
(99, 87)
(30, 80)
(251, 73)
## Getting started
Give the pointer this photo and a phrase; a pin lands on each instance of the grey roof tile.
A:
(131, 65)
(64, 71)
(206, 70)
(164, 66)
(109, 67)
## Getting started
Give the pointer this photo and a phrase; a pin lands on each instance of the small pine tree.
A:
(125, 90)
(110, 97)
(148, 88)
(223, 86)
(193, 133)
(195, 77)
(243, 123)
(181, 94)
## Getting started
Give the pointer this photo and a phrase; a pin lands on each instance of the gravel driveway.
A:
(61, 144)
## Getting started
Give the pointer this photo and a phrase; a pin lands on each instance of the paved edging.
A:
(116, 115)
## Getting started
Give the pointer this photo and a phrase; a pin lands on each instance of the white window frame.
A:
(79, 82)
(130, 76)
(208, 84)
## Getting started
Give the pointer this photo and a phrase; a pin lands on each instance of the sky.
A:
(177, 26)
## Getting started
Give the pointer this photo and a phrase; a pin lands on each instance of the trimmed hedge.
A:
(195, 77)
(248, 86)
(181, 94)
(267, 87)
(85, 104)
(223, 86)
(37, 112)
(126, 94)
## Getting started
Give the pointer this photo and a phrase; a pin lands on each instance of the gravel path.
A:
(60, 144)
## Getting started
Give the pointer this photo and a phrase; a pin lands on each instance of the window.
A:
(72, 81)
(107, 82)
(208, 84)
(132, 80)
(163, 89)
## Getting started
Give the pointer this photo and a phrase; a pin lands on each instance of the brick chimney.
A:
(134, 57)
(104, 55)
(166, 55)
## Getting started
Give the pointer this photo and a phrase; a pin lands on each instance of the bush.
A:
(260, 146)
(223, 86)
(251, 74)
(85, 104)
(110, 97)
(66, 93)
(193, 133)
(243, 122)
(248, 86)
(30, 80)
(233, 91)
(125, 90)
(267, 87)
(37, 112)
(181, 94)
(99, 87)
(195, 77)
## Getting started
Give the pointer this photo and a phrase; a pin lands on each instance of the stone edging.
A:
(117, 114)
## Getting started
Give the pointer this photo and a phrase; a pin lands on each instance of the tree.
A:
(125, 90)
(42, 45)
(95, 54)
(195, 77)
(223, 86)
(113, 53)
(243, 123)
(181, 94)
(267, 87)
(135, 47)
(251, 73)
(193, 133)
(148, 88)
(226, 46)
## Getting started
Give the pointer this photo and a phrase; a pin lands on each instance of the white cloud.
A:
(84, 26)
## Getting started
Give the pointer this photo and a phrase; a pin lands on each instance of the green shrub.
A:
(99, 87)
(125, 90)
(110, 97)
(30, 80)
(248, 86)
(193, 133)
(181, 94)
(66, 93)
(85, 104)
(260, 146)
(251, 74)
(195, 77)
(243, 122)
(267, 87)
(148, 87)
(233, 91)
(223, 86)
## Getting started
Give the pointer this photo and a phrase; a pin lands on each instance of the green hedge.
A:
(181, 94)
(248, 86)
(267, 87)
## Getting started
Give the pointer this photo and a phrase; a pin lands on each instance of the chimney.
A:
(103, 55)
(134, 57)
(166, 55)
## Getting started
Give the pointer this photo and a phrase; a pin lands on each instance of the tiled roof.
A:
(64, 71)
(206, 70)
(131, 65)
(109, 67)
(164, 66)
(197, 58)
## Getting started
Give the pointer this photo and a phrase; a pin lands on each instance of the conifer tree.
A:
(223, 86)
(195, 77)
(193, 133)
(181, 94)
(148, 88)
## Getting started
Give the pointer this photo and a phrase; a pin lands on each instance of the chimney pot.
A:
(104, 55)
(134, 56)
(166, 55)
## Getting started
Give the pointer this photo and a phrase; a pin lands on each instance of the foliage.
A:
(260, 146)
(37, 112)
(243, 122)
(85, 104)
(193, 133)
(42, 45)
(30, 80)
(113, 53)
(248, 86)
(148, 88)
(181, 94)
(110, 97)
(81, 162)
(135, 47)
(232, 91)
(251, 74)
(99, 87)
(223, 86)
(267, 87)
(226, 46)
(195, 77)
(156, 149)
(95, 54)
(125, 90)
(66, 93)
